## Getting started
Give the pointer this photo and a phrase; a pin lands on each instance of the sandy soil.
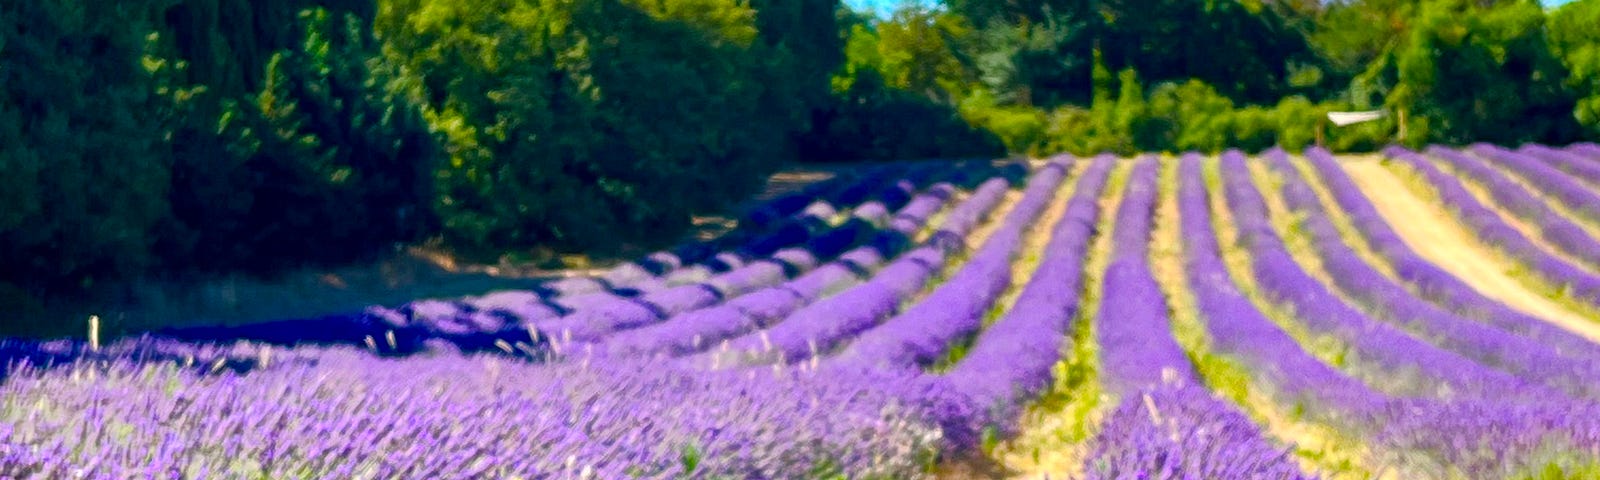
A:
(1429, 230)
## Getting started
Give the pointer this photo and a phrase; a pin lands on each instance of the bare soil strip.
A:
(1439, 238)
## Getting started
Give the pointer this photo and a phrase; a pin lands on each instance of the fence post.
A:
(1322, 126)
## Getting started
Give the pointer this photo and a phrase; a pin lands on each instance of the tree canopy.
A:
(182, 137)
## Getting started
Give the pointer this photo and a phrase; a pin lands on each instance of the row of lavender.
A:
(1426, 279)
(791, 319)
(1167, 424)
(602, 417)
(1494, 229)
(763, 230)
(311, 412)
(522, 322)
(1528, 402)
(1554, 428)
(1530, 361)
(1176, 431)
(874, 411)
(918, 335)
(586, 318)
(687, 287)
(774, 227)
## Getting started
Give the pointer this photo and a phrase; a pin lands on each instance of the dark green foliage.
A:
(585, 124)
(1245, 48)
(1040, 64)
(173, 137)
(873, 122)
(805, 48)
(321, 165)
(891, 99)
(1466, 72)
(84, 172)
(280, 130)
(226, 43)
(1575, 39)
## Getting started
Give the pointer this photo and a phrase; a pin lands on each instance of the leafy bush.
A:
(1576, 41)
(1175, 117)
(588, 123)
(872, 122)
(321, 165)
(1197, 113)
(1467, 72)
(1020, 128)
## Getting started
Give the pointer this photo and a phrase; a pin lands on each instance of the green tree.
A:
(1040, 63)
(893, 95)
(916, 51)
(1264, 44)
(1350, 36)
(321, 144)
(583, 124)
(1576, 41)
(1466, 72)
(807, 47)
(85, 172)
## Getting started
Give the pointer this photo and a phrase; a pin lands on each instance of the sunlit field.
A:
(1425, 313)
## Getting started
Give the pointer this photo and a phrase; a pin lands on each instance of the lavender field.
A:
(1283, 315)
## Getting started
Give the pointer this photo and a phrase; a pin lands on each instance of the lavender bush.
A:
(778, 353)
(1556, 229)
(1323, 312)
(350, 415)
(1528, 359)
(1166, 425)
(1584, 286)
(1428, 280)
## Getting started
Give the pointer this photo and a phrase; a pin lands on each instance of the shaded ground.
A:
(1430, 230)
(707, 227)
(416, 272)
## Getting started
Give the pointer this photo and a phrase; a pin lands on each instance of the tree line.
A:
(1086, 76)
(183, 138)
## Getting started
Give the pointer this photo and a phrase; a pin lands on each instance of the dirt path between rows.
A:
(1440, 239)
